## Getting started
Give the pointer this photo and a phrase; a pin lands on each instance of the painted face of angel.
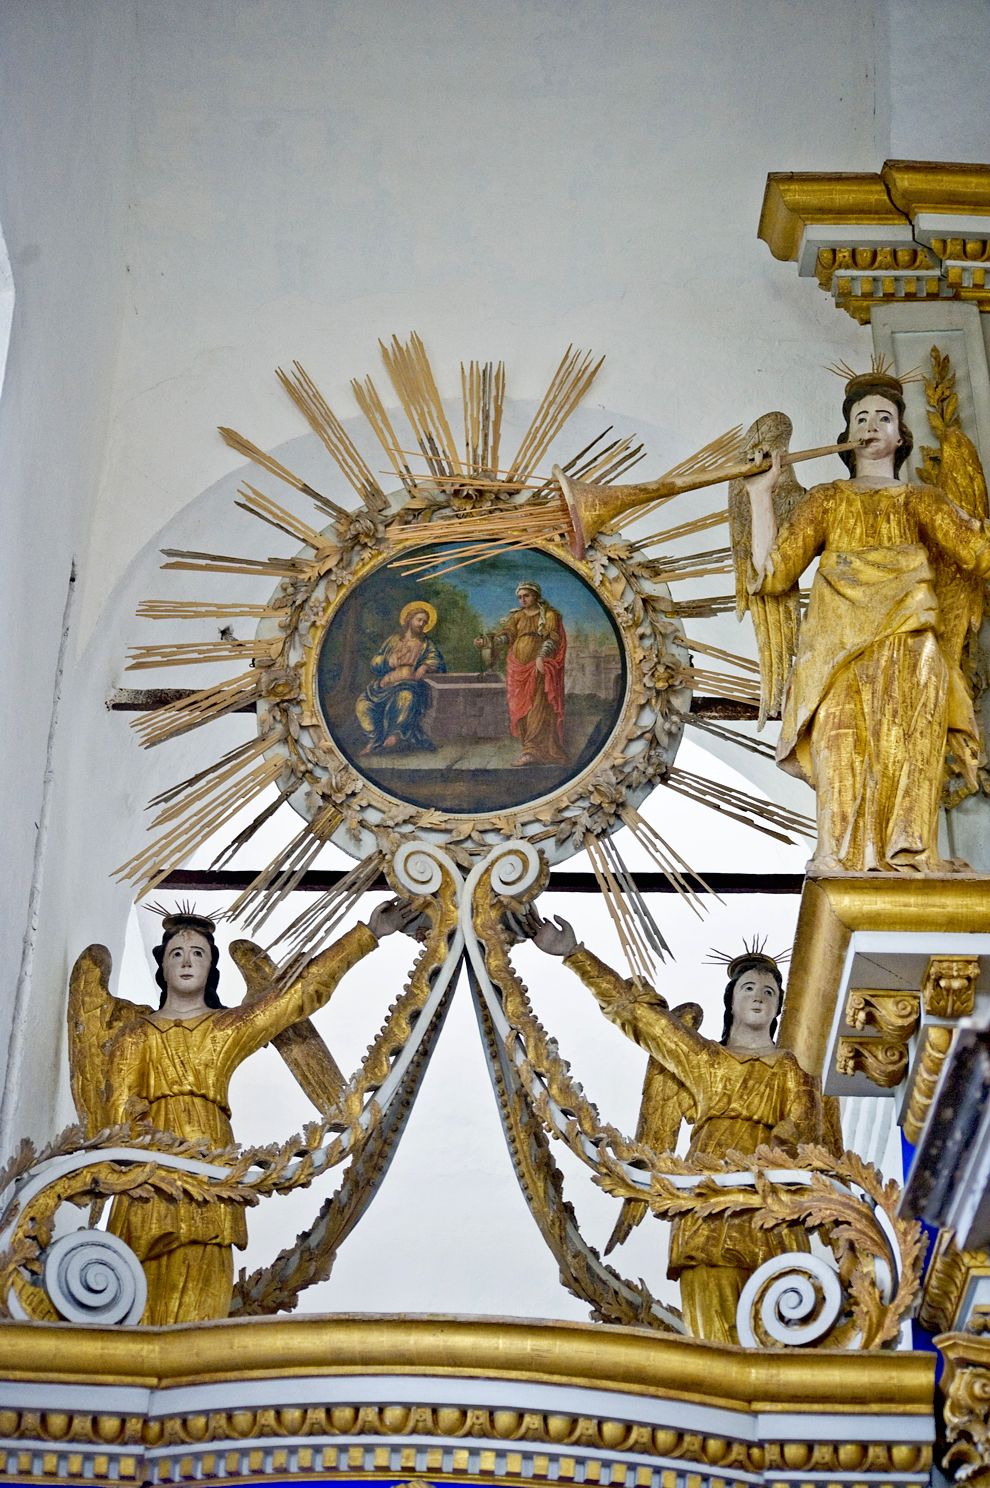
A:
(875, 423)
(186, 962)
(755, 1000)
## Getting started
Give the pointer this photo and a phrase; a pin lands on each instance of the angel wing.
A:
(93, 1017)
(665, 1104)
(960, 596)
(775, 617)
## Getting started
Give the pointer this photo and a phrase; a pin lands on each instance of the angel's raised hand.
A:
(394, 914)
(556, 939)
(762, 483)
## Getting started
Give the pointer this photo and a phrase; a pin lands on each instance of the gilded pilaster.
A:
(936, 1041)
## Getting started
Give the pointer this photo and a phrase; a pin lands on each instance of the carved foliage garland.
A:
(878, 1254)
(613, 1299)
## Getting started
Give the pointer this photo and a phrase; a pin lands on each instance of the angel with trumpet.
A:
(874, 704)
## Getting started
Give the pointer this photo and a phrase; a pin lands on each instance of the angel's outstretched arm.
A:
(257, 1023)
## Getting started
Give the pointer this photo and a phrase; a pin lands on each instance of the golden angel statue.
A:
(737, 1095)
(170, 1069)
(874, 704)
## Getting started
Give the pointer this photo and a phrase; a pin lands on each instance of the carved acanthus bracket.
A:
(949, 988)
(917, 230)
(882, 1060)
(893, 1014)
(966, 1406)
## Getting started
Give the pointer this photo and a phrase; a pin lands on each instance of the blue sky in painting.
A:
(491, 586)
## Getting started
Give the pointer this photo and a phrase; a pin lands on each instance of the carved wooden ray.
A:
(488, 507)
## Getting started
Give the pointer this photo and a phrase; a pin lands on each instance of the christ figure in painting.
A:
(537, 646)
(392, 706)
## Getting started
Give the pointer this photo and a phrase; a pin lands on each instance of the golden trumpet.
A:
(591, 507)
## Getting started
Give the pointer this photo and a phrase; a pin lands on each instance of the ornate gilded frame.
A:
(317, 775)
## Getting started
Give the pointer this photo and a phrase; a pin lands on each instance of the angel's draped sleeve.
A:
(961, 537)
(798, 539)
(251, 1025)
(682, 1051)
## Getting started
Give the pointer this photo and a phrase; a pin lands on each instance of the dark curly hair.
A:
(881, 388)
(737, 969)
(213, 979)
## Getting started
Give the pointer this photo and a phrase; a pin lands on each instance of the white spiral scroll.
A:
(418, 866)
(797, 1297)
(515, 867)
(92, 1277)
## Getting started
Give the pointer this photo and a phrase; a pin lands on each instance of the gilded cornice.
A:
(832, 910)
(793, 200)
(917, 230)
(635, 1361)
(944, 187)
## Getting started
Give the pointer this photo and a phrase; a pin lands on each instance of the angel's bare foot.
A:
(391, 741)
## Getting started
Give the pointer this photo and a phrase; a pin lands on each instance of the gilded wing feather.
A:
(93, 1017)
(665, 1104)
(775, 617)
(960, 599)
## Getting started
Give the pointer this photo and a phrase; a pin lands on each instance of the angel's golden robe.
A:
(174, 1074)
(738, 1101)
(875, 690)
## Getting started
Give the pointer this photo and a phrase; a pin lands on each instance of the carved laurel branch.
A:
(249, 1173)
(943, 412)
(613, 1299)
(827, 1201)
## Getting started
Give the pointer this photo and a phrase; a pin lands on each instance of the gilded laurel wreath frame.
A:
(317, 775)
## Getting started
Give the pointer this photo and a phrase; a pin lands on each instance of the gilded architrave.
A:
(935, 1045)
(832, 909)
(501, 1445)
(282, 1405)
(894, 1014)
(949, 988)
(889, 236)
(947, 1279)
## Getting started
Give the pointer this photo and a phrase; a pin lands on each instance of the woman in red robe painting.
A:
(537, 642)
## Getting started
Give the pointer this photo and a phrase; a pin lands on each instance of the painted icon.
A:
(480, 690)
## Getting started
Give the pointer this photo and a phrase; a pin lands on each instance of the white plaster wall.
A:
(504, 177)
(307, 176)
(64, 88)
(937, 75)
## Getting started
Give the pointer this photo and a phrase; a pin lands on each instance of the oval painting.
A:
(483, 689)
